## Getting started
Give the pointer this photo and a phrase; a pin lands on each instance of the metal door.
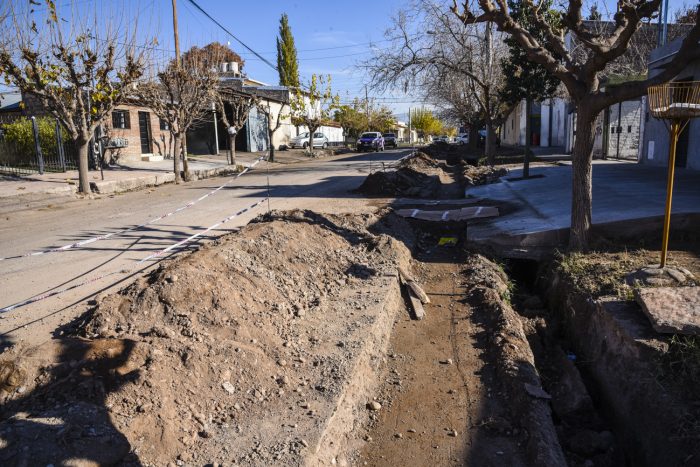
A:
(145, 132)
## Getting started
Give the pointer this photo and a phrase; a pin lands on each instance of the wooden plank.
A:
(413, 286)
(418, 309)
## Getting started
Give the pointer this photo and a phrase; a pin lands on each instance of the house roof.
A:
(10, 101)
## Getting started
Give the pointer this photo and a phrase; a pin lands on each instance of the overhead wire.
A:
(204, 12)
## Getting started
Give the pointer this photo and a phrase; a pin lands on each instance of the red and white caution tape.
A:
(53, 293)
(131, 229)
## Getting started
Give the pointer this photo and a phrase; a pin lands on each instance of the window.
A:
(164, 125)
(120, 119)
(629, 128)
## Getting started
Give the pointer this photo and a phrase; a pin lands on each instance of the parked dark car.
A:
(390, 140)
(371, 140)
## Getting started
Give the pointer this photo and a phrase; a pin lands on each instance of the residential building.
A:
(655, 149)
(619, 128)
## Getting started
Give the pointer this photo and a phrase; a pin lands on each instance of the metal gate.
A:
(35, 145)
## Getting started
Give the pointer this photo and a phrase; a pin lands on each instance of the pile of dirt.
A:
(488, 289)
(451, 153)
(257, 349)
(483, 174)
(418, 176)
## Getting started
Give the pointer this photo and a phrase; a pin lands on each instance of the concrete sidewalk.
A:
(537, 212)
(130, 175)
(117, 179)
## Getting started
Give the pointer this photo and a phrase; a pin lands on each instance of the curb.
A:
(134, 184)
(63, 190)
(131, 184)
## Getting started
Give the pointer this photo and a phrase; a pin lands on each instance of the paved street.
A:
(322, 185)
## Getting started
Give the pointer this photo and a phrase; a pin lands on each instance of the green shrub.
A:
(20, 134)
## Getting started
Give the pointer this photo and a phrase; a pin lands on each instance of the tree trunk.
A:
(474, 137)
(232, 148)
(311, 141)
(83, 151)
(271, 134)
(582, 174)
(176, 159)
(185, 165)
(528, 129)
(489, 149)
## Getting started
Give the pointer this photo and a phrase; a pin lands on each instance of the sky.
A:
(332, 36)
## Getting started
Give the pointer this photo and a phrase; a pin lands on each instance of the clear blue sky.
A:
(332, 36)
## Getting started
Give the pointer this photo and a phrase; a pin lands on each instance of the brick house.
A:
(136, 133)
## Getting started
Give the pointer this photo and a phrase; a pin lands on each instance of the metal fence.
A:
(36, 151)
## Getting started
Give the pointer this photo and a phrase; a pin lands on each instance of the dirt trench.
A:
(442, 402)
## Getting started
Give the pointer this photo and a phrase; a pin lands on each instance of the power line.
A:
(363, 44)
(266, 61)
(323, 58)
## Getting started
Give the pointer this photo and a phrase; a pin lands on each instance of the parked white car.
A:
(441, 139)
(302, 141)
(463, 138)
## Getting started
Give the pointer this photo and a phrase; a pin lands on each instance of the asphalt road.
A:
(322, 185)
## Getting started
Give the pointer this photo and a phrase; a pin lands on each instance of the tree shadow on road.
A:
(58, 414)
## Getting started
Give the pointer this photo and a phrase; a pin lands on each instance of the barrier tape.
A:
(131, 229)
(53, 293)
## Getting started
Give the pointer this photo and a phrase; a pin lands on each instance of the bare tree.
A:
(239, 103)
(77, 73)
(581, 74)
(181, 96)
(448, 51)
(274, 122)
(312, 107)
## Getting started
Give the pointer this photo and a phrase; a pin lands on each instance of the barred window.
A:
(120, 119)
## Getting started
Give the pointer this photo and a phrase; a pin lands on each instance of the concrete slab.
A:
(671, 310)
(539, 211)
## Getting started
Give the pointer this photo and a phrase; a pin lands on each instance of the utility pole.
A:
(489, 55)
(177, 37)
(367, 107)
(185, 167)
(410, 131)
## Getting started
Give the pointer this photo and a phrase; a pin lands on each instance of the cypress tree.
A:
(287, 55)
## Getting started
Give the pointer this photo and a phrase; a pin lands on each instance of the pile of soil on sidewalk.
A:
(483, 174)
(418, 176)
(240, 352)
(451, 153)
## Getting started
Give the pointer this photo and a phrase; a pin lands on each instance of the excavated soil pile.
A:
(450, 153)
(418, 176)
(258, 349)
(483, 174)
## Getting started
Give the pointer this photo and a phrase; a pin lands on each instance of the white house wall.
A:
(334, 134)
(624, 130)
(522, 121)
(558, 109)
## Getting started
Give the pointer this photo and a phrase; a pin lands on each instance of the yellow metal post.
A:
(675, 130)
